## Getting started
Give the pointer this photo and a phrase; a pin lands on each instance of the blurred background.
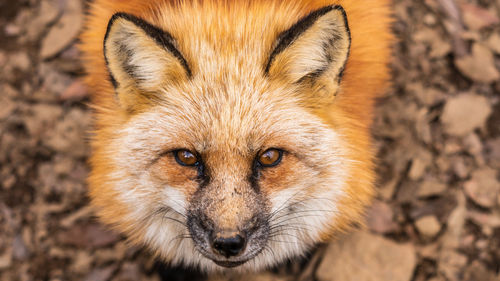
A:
(437, 132)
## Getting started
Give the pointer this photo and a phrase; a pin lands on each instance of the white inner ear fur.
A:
(134, 58)
(323, 46)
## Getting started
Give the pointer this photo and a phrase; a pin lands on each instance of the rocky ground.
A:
(437, 215)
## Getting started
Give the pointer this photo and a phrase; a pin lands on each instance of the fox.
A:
(233, 135)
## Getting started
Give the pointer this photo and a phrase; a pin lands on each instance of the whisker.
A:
(281, 241)
(283, 228)
(297, 217)
(281, 207)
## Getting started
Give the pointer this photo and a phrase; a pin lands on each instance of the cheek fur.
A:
(166, 171)
(288, 173)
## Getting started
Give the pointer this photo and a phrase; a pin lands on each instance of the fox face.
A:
(233, 154)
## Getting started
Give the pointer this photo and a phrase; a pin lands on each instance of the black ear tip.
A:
(120, 15)
(287, 37)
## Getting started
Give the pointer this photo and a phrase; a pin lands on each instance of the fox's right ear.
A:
(141, 57)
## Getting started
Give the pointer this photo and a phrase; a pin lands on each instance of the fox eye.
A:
(185, 157)
(270, 157)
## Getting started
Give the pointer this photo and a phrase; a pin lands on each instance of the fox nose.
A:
(228, 243)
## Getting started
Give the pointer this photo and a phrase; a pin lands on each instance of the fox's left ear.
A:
(315, 49)
(141, 56)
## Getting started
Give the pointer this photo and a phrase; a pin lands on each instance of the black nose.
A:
(228, 244)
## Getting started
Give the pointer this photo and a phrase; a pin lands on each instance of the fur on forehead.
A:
(243, 119)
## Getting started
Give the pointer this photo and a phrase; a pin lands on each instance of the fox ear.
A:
(141, 56)
(314, 49)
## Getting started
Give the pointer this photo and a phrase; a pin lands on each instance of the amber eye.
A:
(185, 157)
(270, 157)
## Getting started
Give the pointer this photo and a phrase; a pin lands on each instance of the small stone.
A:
(380, 218)
(12, 29)
(75, 92)
(6, 259)
(493, 155)
(428, 226)
(367, 257)
(483, 188)
(42, 119)
(473, 144)
(494, 42)
(451, 264)
(69, 134)
(129, 272)
(422, 126)
(64, 30)
(89, 235)
(81, 262)
(431, 188)
(464, 113)
(101, 274)
(419, 165)
(20, 61)
(7, 107)
(478, 66)
(19, 250)
(48, 12)
(476, 17)
(9, 182)
(460, 169)
(477, 271)
(454, 230)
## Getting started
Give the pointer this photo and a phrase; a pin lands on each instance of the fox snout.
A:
(229, 230)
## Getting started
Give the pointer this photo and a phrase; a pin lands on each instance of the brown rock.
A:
(478, 66)
(89, 235)
(431, 188)
(129, 272)
(20, 61)
(19, 249)
(428, 226)
(460, 169)
(419, 165)
(422, 126)
(451, 264)
(483, 188)
(76, 91)
(42, 119)
(477, 271)
(69, 134)
(494, 42)
(6, 259)
(81, 262)
(48, 12)
(101, 274)
(430, 96)
(493, 155)
(454, 231)
(476, 17)
(7, 107)
(380, 218)
(366, 257)
(464, 113)
(64, 31)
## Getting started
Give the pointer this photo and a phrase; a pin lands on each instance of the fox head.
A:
(229, 152)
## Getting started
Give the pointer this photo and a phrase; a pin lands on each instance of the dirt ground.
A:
(437, 215)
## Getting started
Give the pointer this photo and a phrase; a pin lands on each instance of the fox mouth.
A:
(229, 264)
